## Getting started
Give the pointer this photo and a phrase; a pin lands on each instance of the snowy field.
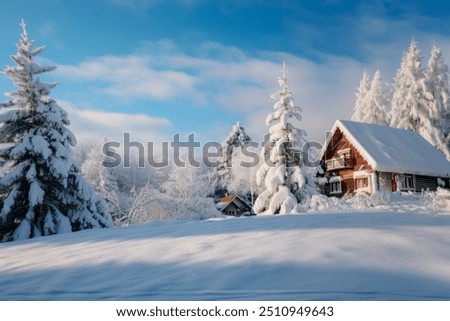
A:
(375, 255)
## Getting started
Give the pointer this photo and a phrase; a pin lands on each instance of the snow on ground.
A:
(366, 255)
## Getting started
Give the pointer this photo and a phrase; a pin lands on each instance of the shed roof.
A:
(227, 200)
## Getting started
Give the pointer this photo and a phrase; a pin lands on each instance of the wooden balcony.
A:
(339, 163)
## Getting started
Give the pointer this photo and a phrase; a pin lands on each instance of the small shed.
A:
(364, 158)
(233, 205)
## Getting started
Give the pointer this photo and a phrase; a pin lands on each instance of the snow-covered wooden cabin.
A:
(233, 205)
(364, 158)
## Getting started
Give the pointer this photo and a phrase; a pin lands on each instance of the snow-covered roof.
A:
(221, 206)
(224, 202)
(389, 149)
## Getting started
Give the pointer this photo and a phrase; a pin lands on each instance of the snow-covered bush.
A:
(381, 198)
(187, 192)
(319, 203)
(135, 205)
(438, 200)
(361, 201)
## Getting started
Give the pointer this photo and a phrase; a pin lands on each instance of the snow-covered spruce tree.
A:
(42, 191)
(376, 103)
(284, 181)
(409, 105)
(437, 94)
(236, 139)
(420, 96)
(360, 104)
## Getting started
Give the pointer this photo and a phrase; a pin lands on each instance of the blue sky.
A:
(158, 67)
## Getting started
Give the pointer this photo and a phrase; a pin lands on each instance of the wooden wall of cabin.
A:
(232, 210)
(426, 182)
(340, 142)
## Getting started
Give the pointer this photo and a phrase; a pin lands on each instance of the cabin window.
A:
(335, 185)
(362, 182)
(407, 182)
(335, 188)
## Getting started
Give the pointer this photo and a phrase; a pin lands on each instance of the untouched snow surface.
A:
(339, 256)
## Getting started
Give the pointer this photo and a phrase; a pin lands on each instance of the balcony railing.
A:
(339, 163)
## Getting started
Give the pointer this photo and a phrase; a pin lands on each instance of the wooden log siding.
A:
(426, 182)
(233, 210)
(339, 143)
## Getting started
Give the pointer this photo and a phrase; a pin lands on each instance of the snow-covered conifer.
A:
(408, 108)
(42, 191)
(360, 103)
(286, 186)
(437, 96)
(420, 98)
(376, 103)
(237, 139)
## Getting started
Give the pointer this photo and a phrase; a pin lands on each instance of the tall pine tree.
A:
(437, 93)
(409, 110)
(420, 98)
(235, 140)
(377, 103)
(360, 104)
(285, 182)
(42, 191)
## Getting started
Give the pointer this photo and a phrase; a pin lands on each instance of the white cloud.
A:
(130, 77)
(88, 125)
